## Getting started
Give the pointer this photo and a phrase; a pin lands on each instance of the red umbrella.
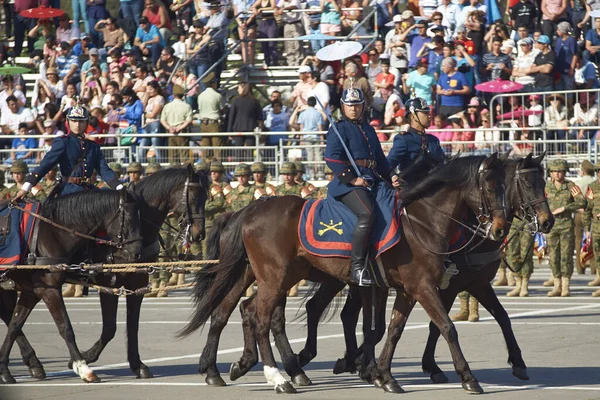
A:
(499, 86)
(520, 113)
(42, 13)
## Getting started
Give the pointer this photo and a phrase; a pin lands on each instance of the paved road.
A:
(558, 336)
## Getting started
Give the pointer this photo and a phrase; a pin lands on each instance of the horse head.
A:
(193, 197)
(491, 196)
(124, 228)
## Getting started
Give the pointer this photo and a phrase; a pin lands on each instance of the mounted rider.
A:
(77, 158)
(350, 185)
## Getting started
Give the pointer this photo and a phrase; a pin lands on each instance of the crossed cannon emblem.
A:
(330, 227)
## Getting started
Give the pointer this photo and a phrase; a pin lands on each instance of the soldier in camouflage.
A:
(3, 189)
(153, 168)
(519, 253)
(322, 191)
(19, 170)
(135, 172)
(215, 203)
(50, 181)
(591, 221)
(243, 194)
(289, 186)
(261, 187)
(307, 190)
(564, 198)
(117, 169)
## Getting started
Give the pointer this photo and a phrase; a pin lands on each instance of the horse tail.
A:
(214, 282)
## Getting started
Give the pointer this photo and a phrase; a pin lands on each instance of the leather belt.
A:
(372, 164)
(79, 181)
(207, 121)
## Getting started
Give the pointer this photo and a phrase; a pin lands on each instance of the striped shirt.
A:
(63, 64)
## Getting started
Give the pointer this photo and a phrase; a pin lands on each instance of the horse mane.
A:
(82, 211)
(159, 185)
(459, 172)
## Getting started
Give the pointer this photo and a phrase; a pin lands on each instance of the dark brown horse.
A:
(117, 214)
(279, 261)
(181, 190)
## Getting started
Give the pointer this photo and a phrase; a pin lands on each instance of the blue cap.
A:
(353, 96)
(544, 39)
(416, 104)
(78, 113)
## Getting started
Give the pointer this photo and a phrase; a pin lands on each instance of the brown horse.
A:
(279, 261)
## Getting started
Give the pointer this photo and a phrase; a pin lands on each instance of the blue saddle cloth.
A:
(326, 226)
(14, 247)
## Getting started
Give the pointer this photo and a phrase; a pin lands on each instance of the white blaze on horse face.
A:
(273, 376)
(82, 369)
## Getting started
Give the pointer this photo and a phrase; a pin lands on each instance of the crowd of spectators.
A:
(146, 71)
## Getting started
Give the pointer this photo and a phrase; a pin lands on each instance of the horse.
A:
(181, 190)
(87, 213)
(279, 261)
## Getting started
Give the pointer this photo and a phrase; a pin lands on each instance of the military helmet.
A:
(78, 113)
(116, 167)
(153, 168)
(258, 167)
(558, 165)
(416, 104)
(201, 166)
(300, 167)
(288, 168)
(19, 166)
(242, 170)
(135, 167)
(352, 96)
(217, 166)
(328, 170)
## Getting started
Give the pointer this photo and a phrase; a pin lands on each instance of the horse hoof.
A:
(301, 380)
(392, 387)
(285, 387)
(235, 371)
(215, 381)
(7, 379)
(377, 382)
(143, 373)
(520, 373)
(37, 373)
(472, 387)
(439, 377)
(90, 378)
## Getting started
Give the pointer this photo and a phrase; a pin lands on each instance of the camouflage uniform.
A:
(36, 193)
(261, 188)
(519, 254)
(307, 190)
(3, 189)
(117, 169)
(322, 191)
(241, 196)
(135, 167)
(591, 221)
(49, 184)
(285, 189)
(215, 203)
(561, 238)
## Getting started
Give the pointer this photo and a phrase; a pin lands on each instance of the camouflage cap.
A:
(587, 167)
(19, 166)
(201, 166)
(328, 170)
(153, 168)
(217, 166)
(258, 167)
(135, 167)
(116, 167)
(300, 167)
(288, 168)
(242, 170)
(558, 165)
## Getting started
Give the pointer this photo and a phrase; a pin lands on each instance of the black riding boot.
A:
(359, 271)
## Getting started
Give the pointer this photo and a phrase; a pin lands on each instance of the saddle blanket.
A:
(16, 232)
(326, 226)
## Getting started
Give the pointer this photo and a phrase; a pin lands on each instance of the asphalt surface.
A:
(558, 337)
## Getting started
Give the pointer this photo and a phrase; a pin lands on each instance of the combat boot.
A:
(473, 309)
(510, 277)
(517, 290)
(173, 279)
(501, 281)
(69, 290)
(524, 287)
(463, 313)
(549, 282)
(359, 270)
(596, 281)
(596, 293)
(566, 290)
(78, 291)
(181, 279)
(162, 292)
(154, 285)
(293, 292)
(555, 292)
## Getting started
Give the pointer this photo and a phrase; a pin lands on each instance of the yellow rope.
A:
(122, 268)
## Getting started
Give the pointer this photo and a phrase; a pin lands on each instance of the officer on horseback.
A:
(77, 158)
(350, 185)
(415, 143)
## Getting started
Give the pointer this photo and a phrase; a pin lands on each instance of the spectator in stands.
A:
(158, 16)
(245, 115)
(448, 10)
(525, 59)
(276, 121)
(592, 43)
(153, 105)
(452, 86)
(299, 94)
(176, 117)
(217, 26)
(484, 137)
(8, 82)
(44, 92)
(51, 132)
(91, 88)
(585, 113)
(183, 14)
(553, 12)
(566, 48)
(502, 31)
(22, 148)
(384, 12)
(117, 76)
(385, 78)
(80, 14)
(246, 22)
(581, 17)
(96, 12)
(133, 109)
(465, 63)
(475, 25)
(68, 99)
(396, 47)
(94, 65)
(319, 90)
(352, 79)
(441, 129)
(373, 68)
(198, 52)
(39, 32)
(416, 41)
(83, 47)
(65, 31)
(535, 120)
(523, 16)
(292, 28)
(140, 83)
(555, 118)
(211, 104)
(543, 66)
(420, 82)
(67, 64)
(394, 111)
(132, 10)
(267, 29)
(331, 18)
(585, 73)
(275, 94)
(148, 41)
(113, 36)
(461, 17)
(23, 25)
(12, 117)
(314, 23)
(495, 64)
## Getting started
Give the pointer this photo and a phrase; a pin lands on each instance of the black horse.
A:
(88, 213)
(181, 190)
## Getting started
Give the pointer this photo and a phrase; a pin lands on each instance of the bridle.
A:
(528, 207)
(188, 217)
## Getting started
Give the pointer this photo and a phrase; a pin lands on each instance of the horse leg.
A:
(250, 354)
(487, 297)
(369, 371)
(56, 305)
(218, 320)
(108, 304)
(349, 316)
(314, 310)
(134, 305)
(430, 300)
(26, 303)
(8, 302)
(428, 361)
(402, 309)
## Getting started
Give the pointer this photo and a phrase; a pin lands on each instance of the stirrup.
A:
(449, 272)
(363, 281)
